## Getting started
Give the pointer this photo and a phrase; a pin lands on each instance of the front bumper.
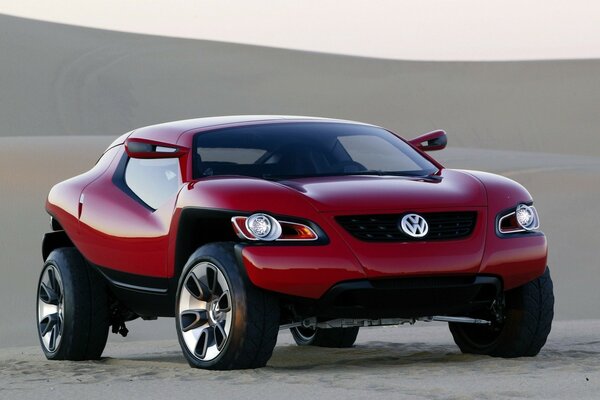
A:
(310, 271)
(408, 297)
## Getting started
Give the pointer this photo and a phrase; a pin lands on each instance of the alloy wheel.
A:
(50, 307)
(205, 311)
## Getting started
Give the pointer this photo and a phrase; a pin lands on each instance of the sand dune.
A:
(394, 29)
(418, 362)
(58, 79)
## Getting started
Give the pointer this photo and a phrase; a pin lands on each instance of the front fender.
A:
(517, 258)
(285, 268)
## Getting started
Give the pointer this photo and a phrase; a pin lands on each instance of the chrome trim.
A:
(505, 232)
(414, 225)
(137, 288)
(242, 235)
(274, 232)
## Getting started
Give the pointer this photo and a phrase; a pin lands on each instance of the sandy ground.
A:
(419, 362)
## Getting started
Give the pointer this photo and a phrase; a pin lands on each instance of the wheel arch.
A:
(53, 241)
(200, 226)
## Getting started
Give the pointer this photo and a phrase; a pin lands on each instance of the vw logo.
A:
(414, 225)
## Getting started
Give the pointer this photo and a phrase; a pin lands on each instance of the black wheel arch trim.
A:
(54, 240)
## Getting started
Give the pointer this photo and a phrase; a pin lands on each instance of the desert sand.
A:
(535, 122)
(418, 362)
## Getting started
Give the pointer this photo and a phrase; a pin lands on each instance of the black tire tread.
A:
(541, 298)
(529, 315)
(85, 333)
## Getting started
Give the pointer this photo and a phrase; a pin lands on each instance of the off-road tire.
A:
(84, 309)
(529, 310)
(254, 313)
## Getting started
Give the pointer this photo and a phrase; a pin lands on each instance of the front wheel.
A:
(529, 310)
(223, 321)
(332, 337)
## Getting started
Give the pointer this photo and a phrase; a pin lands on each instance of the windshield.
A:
(305, 149)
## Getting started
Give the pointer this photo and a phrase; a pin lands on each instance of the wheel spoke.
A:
(197, 289)
(224, 302)
(52, 278)
(48, 295)
(211, 279)
(205, 341)
(192, 319)
(220, 336)
(46, 309)
(49, 323)
(54, 337)
(53, 283)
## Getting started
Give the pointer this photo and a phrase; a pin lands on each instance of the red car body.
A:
(141, 251)
(240, 226)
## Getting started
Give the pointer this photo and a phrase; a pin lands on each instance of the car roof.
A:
(170, 132)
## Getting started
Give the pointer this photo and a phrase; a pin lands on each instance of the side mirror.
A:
(142, 148)
(432, 141)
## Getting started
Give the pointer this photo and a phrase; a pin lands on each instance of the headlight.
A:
(527, 217)
(263, 227)
(266, 228)
(523, 218)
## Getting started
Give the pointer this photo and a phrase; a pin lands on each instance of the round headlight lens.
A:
(527, 217)
(263, 226)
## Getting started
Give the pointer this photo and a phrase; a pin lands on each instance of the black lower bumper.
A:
(409, 297)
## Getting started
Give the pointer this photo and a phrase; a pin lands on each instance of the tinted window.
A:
(289, 150)
(153, 180)
(235, 155)
(376, 153)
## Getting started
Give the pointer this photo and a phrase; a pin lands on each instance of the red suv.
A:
(241, 226)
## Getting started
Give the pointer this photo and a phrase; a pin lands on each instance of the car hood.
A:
(372, 193)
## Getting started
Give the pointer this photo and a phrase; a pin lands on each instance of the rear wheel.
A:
(222, 320)
(332, 337)
(72, 308)
(529, 311)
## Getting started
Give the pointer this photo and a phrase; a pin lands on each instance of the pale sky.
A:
(396, 29)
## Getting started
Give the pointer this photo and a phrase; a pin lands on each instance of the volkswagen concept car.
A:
(241, 226)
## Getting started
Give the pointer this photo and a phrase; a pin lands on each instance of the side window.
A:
(153, 180)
